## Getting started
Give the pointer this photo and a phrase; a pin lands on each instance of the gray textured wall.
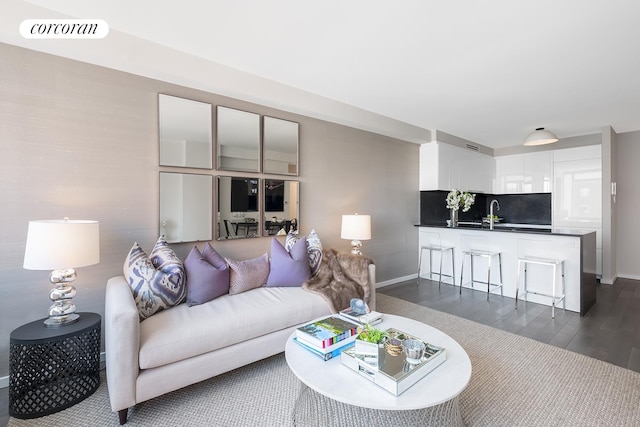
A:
(627, 208)
(81, 141)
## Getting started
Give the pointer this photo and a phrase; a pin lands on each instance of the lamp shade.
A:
(540, 136)
(356, 227)
(59, 244)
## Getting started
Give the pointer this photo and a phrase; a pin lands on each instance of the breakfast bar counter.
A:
(576, 248)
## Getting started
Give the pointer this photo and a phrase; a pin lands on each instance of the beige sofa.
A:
(184, 345)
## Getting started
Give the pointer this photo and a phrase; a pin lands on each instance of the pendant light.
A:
(540, 136)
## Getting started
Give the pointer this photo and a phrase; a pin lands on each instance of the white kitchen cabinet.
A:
(537, 172)
(509, 174)
(577, 192)
(429, 166)
(524, 173)
(444, 167)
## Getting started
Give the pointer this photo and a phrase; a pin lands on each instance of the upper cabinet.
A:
(445, 166)
(524, 173)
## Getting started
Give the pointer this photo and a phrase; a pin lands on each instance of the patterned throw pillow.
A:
(207, 275)
(289, 268)
(314, 248)
(248, 274)
(157, 281)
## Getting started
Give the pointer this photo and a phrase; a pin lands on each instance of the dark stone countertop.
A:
(515, 228)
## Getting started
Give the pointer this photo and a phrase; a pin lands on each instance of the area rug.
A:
(516, 381)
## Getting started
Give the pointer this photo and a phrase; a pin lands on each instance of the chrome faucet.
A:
(491, 220)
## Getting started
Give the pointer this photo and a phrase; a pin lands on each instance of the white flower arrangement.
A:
(457, 199)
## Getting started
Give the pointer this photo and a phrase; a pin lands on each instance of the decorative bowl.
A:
(393, 346)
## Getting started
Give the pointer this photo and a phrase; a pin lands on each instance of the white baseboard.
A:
(627, 276)
(396, 280)
(4, 381)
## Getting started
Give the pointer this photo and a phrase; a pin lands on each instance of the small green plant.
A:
(369, 334)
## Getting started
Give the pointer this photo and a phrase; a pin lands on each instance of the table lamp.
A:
(356, 228)
(61, 246)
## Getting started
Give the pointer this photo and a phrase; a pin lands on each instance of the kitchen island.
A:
(576, 247)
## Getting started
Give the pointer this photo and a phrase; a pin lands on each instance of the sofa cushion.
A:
(288, 268)
(247, 274)
(183, 332)
(157, 281)
(314, 248)
(207, 275)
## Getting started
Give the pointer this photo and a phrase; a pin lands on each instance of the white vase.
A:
(368, 348)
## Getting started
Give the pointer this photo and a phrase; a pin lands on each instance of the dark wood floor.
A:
(610, 330)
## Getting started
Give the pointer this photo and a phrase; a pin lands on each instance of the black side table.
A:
(51, 369)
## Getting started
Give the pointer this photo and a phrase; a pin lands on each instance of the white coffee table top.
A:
(336, 381)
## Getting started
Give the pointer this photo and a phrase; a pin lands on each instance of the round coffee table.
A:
(332, 394)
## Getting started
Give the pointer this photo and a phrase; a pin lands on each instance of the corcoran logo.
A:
(64, 29)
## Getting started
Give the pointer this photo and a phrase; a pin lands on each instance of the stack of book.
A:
(370, 318)
(326, 338)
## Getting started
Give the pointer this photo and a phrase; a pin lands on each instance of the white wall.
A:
(81, 141)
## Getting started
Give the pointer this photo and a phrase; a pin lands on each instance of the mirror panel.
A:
(280, 146)
(186, 205)
(238, 207)
(185, 132)
(238, 140)
(280, 206)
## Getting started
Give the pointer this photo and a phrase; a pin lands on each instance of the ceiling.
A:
(486, 71)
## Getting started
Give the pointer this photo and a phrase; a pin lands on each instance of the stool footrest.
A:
(557, 298)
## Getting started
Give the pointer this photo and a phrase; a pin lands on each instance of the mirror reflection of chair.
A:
(432, 243)
(541, 253)
(228, 226)
(477, 246)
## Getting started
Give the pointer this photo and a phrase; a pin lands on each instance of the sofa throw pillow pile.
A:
(314, 248)
(247, 274)
(289, 268)
(157, 281)
(207, 275)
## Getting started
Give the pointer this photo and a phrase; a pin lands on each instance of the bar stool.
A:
(478, 246)
(529, 252)
(432, 243)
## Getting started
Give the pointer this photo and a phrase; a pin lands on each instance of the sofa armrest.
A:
(122, 343)
(372, 284)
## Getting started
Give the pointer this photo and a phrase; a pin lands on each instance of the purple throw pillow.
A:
(207, 275)
(289, 268)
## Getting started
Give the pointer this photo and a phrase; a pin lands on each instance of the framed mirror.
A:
(280, 146)
(238, 140)
(281, 207)
(238, 207)
(186, 206)
(185, 132)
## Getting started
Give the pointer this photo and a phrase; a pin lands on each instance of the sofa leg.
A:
(122, 414)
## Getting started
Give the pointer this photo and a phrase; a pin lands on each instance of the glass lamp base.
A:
(58, 321)
(355, 247)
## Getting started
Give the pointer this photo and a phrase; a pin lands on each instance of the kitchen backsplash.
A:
(533, 208)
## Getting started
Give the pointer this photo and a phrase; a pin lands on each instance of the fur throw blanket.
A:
(340, 277)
